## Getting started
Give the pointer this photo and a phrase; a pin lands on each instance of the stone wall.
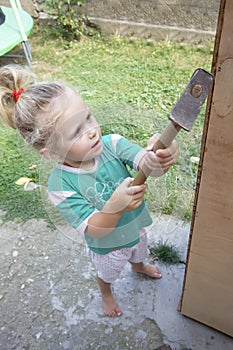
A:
(175, 20)
(198, 14)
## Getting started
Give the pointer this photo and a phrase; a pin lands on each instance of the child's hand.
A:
(126, 197)
(161, 161)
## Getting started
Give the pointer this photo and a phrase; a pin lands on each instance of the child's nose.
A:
(92, 132)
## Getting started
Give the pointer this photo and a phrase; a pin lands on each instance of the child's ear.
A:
(45, 152)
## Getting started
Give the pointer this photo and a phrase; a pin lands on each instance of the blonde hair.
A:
(35, 112)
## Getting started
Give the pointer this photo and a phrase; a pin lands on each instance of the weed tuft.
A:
(166, 253)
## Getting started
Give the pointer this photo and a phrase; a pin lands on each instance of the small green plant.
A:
(70, 23)
(166, 253)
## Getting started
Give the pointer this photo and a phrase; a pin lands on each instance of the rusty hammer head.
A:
(187, 108)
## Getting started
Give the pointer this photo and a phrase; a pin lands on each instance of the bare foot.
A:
(147, 269)
(111, 309)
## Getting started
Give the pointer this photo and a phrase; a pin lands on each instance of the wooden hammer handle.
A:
(164, 141)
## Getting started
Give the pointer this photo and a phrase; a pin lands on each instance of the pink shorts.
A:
(109, 266)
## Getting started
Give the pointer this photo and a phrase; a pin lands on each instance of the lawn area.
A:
(130, 85)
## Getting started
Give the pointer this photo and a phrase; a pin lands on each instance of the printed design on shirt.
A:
(101, 192)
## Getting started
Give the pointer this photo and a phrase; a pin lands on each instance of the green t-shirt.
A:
(78, 193)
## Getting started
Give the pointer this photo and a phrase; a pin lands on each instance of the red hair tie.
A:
(16, 94)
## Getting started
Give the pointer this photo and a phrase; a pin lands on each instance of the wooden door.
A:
(208, 285)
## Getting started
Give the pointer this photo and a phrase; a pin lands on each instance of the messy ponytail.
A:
(12, 78)
(34, 110)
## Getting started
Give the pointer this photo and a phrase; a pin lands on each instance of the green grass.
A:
(166, 253)
(16, 159)
(130, 85)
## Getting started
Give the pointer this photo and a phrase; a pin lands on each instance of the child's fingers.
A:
(152, 141)
(163, 154)
(128, 189)
(172, 151)
(151, 159)
(133, 190)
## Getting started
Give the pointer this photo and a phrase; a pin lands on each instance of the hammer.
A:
(182, 116)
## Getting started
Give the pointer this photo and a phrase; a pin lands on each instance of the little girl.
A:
(91, 185)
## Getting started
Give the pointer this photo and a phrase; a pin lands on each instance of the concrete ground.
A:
(49, 298)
